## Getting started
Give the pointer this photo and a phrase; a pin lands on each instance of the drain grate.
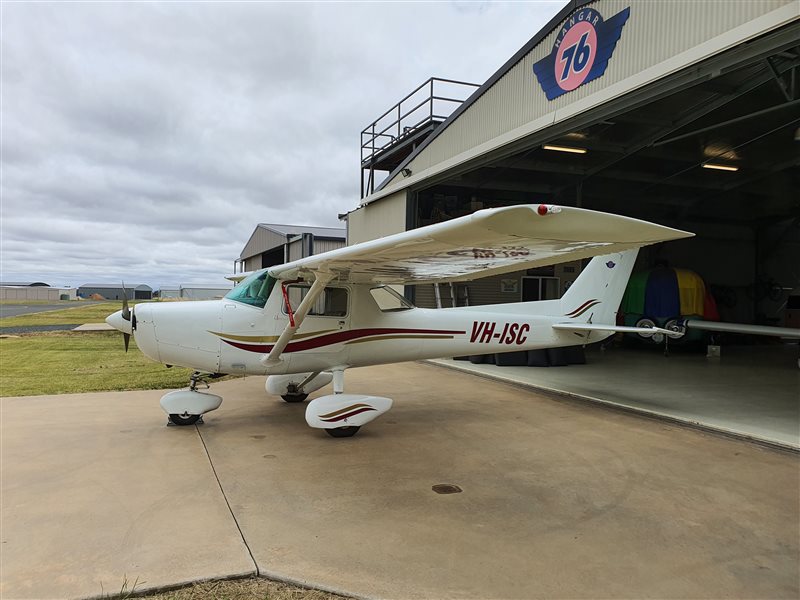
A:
(446, 488)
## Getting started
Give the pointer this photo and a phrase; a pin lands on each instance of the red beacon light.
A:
(548, 209)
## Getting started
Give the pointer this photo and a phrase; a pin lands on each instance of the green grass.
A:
(89, 313)
(72, 362)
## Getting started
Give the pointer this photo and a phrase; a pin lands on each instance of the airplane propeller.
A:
(126, 314)
(123, 320)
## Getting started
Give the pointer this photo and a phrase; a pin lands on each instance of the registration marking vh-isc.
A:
(484, 332)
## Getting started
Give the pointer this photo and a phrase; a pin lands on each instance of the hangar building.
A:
(111, 291)
(272, 244)
(193, 291)
(36, 290)
(685, 114)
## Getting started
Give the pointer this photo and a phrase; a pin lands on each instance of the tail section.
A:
(597, 292)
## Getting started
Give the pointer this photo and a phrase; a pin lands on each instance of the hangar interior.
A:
(712, 148)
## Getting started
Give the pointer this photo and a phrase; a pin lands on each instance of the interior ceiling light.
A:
(720, 167)
(565, 149)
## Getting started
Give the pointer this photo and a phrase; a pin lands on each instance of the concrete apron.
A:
(96, 491)
(560, 498)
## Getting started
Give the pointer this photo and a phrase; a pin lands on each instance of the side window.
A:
(389, 300)
(331, 303)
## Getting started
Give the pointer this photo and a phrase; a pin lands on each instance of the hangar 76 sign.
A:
(581, 51)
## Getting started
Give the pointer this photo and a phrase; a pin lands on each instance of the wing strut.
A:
(296, 319)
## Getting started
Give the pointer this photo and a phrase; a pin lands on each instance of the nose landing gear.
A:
(187, 406)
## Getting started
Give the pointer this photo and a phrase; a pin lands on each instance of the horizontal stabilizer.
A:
(617, 329)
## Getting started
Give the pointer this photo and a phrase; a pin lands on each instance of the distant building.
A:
(111, 291)
(271, 245)
(194, 292)
(35, 291)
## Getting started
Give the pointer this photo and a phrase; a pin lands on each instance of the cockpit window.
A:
(254, 290)
(389, 300)
(331, 303)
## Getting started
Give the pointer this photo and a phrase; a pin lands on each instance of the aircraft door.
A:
(324, 330)
(246, 336)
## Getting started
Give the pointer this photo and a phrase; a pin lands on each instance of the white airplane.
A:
(304, 323)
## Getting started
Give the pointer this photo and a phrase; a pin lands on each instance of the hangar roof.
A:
(731, 95)
(23, 284)
(290, 230)
(267, 236)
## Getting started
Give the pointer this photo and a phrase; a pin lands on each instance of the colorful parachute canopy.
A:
(664, 293)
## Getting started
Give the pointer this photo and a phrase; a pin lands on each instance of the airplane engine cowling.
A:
(278, 385)
(345, 410)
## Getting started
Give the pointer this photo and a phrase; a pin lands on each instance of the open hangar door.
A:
(714, 150)
(652, 155)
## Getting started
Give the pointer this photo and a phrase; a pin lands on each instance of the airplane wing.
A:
(487, 242)
(237, 277)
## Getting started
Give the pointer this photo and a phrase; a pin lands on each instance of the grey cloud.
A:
(145, 141)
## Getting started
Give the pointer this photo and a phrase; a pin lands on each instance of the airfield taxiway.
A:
(559, 498)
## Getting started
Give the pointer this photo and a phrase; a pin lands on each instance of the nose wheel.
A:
(186, 406)
(183, 421)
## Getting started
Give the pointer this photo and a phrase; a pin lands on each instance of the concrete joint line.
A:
(228, 504)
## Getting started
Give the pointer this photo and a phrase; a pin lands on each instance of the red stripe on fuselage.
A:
(332, 338)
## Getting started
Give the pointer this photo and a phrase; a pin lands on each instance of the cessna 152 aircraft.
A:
(304, 323)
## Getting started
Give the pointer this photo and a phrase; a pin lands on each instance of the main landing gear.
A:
(342, 415)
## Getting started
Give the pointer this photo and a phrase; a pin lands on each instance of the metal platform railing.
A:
(392, 136)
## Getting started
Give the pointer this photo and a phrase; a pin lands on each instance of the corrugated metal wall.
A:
(321, 246)
(489, 289)
(35, 293)
(296, 249)
(260, 241)
(377, 220)
(253, 263)
(480, 292)
(654, 33)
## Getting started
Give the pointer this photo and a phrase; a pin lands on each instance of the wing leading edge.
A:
(487, 242)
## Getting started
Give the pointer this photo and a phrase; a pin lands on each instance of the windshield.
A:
(254, 290)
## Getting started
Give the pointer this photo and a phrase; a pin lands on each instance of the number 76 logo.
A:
(576, 55)
(581, 51)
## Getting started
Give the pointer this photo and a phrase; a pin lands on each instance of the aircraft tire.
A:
(183, 421)
(343, 432)
(294, 397)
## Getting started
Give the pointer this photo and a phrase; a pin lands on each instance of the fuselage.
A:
(227, 336)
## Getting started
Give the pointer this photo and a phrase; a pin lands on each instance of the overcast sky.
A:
(144, 142)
